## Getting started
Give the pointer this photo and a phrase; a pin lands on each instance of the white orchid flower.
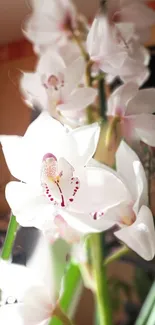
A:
(29, 294)
(114, 50)
(55, 85)
(51, 22)
(59, 188)
(132, 215)
(132, 11)
(135, 108)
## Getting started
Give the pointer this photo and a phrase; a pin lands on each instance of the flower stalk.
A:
(111, 135)
(9, 239)
(116, 255)
(102, 98)
(100, 278)
(80, 45)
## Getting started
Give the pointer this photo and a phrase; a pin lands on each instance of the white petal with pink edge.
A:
(140, 236)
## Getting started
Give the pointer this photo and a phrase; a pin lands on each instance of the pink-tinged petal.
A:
(24, 154)
(141, 185)
(37, 305)
(65, 231)
(50, 63)
(113, 63)
(33, 90)
(132, 70)
(100, 189)
(143, 102)
(145, 122)
(147, 136)
(70, 52)
(29, 206)
(91, 42)
(128, 129)
(74, 73)
(140, 236)
(38, 29)
(126, 30)
(125, 158)
(79, 99)
(138, 13)
(120, 97)
(81, 145)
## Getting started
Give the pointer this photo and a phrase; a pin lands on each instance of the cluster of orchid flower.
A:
(77, 173)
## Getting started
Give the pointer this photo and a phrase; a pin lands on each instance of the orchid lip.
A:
(53, 182)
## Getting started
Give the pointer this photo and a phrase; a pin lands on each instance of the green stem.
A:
(102, 97)
(9, 239)
(81, 47)
(116, 255)
(99, 272)
(72, 280)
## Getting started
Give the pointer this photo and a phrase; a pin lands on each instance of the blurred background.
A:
(16, 55)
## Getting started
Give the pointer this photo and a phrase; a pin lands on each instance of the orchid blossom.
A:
(131, 215)
(51, 22)
(55, 86)
(114, 50)
(60, 190)
(29, 294)
(135, 109)
(136, 12)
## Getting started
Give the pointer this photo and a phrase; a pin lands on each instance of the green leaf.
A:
(147, 308)
(72, 280)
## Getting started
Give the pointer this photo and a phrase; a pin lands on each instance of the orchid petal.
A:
(143, 102)
(100, 189)
(33, 89)
(74, 73)
(10, 314)
(82, 144)
(11, 275)
(79, 99)
(91, 38)
(118, 100)
(50, 63)
(66, 232)
(135, 71)
(147, 136)
(38, 29)
(140, 236)
(142, 186)
(36, 305)
(14, 155)
(24, 154)
(129, 171)
(29, 205)
(145, 122)
(138, 13)
(41, 263)
(85, 224)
